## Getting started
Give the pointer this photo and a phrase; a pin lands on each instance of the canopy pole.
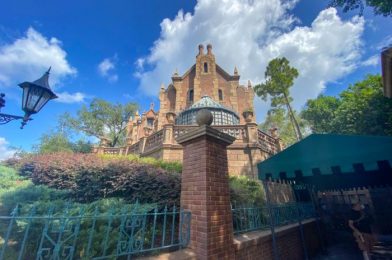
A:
(272, 222)
(301, 228)
(316, 210)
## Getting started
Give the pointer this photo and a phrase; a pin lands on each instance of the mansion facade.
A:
(204, 86)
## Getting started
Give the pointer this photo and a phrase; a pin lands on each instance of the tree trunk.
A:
(293, 120)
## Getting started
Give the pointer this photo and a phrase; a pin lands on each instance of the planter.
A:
(248, 115)
(171, 117)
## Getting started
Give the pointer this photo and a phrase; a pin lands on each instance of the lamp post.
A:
(35, 95)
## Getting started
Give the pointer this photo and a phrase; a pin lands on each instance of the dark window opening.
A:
(205, 67)
(191, 95)
(220, 93)
(150, 122)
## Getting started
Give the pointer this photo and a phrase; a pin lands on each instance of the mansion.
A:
(204, 85)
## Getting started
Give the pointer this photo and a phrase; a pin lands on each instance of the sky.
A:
(122, 51)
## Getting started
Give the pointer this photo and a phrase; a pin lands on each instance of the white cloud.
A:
(106, 69)
(65, 97)
(28, 57)
(248, 34)
(5, 151)
(371, 61)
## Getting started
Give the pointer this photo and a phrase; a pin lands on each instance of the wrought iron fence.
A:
(75, 234)
(247, 219)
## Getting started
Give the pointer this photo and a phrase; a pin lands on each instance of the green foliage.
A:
(59, 142)
(103, 120)
(171, 166)
(361, 109)
(380, 7)
(246, 192)
(17, 190)
(321, 112)
(279, 77)
(279, 118)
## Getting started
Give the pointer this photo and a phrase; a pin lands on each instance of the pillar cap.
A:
(205, 130)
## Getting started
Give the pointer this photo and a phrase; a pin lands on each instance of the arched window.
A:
(220, 93)
(205, 67)
(191, 95)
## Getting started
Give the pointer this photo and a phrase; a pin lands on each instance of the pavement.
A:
(341, 246)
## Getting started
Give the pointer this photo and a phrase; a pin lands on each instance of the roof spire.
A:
(235, 70)
(249, 84)
(175, 74)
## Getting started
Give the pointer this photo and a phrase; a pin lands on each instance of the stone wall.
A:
(258, 245)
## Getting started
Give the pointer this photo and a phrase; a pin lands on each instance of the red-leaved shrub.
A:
(90, 177)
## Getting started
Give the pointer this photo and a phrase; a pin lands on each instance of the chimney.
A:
(209, 49)
(201, 49)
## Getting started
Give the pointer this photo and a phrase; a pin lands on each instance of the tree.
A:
(321, 112)
(362, 109)
(59, 142)
(279, 78)
(102, 120)
(380, 7)
(280, 119)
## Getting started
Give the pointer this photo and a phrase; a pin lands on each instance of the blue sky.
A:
(122, 51)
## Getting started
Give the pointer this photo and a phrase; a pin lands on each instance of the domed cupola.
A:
(222, 115)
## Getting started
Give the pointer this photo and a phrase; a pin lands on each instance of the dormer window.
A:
(205, 67)
(150, 122)
(220, 94)
(191, 95)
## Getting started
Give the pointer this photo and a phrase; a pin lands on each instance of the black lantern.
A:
(35, 95)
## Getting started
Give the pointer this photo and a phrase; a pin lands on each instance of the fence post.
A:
(205, 189)
(272, 219)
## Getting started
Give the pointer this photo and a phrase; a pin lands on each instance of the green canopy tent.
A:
(329, 161)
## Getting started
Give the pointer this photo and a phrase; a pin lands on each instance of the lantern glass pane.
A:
(45, 97)
(25, 95)
(32, 98)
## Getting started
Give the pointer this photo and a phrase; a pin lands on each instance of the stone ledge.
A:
(205, 130)
(184, 254)
(255, 237)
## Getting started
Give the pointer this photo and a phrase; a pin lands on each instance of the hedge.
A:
(89, 177)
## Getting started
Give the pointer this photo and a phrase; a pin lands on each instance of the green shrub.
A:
(168, 166)
(246, 192)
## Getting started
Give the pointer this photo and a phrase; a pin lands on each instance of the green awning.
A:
(327, 154)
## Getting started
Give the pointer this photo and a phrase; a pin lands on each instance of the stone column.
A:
(205, 189)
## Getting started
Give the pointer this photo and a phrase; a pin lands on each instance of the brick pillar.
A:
(205, 192)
